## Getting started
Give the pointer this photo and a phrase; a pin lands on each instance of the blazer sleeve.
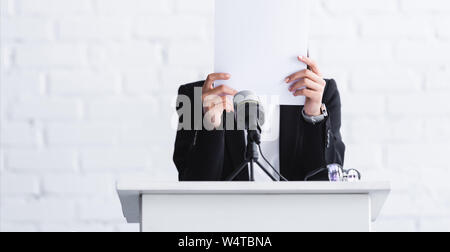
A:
(335, 147)
(198, 154)
(324, 140)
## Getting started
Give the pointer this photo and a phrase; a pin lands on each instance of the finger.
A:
(215, 100)
(221, 107)
(307, 83)
(214, 77)
(217, 108)
(311, 63)
(228, 105)
(305, 74)
(209, 101)
(307, 93)
(223, 90)
(214, 116)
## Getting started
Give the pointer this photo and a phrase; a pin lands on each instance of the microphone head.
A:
(245, 97)
(249, 111)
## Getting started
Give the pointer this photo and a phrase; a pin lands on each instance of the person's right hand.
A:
(217, 100)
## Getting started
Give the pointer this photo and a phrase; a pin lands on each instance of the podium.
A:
(252, 207)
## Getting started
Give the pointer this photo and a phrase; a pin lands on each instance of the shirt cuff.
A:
(313, 119)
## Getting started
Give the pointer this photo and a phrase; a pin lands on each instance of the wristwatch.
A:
(316, 119)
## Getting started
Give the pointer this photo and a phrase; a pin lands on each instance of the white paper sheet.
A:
(258, 41)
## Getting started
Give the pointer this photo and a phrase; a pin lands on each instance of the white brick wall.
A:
(82, 82)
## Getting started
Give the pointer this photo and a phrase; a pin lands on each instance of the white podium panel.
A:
(252, 207)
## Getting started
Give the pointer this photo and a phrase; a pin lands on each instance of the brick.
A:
(19, 185)
(416, 53)
(174, 77)
(98, 28)
(421, 6)
(367, 105)
(2, 161)
(172, 27)
(40, 161)
(5, 60)
(359, 131)
(19, 82)
(195, 6)
(324, 26)
(400, 205)
(83, 83)
(81, 134)
(406, 131)
(135, 55)
(350, 6)
(41, 210)
(416, 156)
(433, 207)
(101, 210)
(190, 54)
(132, 7)
(78, 185)
(18, 135)
(364, 156)
(374, 130)
(442, 28)
(26, 29)
(438, 81)
(396, 27)
(351, 53)
(6, 7)
(395, 225)
(142, 82)
(435, 225)
(54, 7)
(115, 109)
(46, 109)
(17, 227)
(411, 105)
(41, 56)
(437, 129)
(115, 160)
(135, 135)
(436, 182)
(401, 179)
(385, 79)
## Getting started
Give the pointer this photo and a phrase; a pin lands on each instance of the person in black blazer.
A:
(305, 146)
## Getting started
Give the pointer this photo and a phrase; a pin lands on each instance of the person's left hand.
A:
(308, 83)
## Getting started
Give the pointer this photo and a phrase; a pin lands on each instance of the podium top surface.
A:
(130, 191)
(145, 187)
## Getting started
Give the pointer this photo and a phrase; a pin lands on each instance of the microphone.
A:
(250, 114)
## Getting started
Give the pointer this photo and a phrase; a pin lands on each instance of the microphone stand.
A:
(252, 157)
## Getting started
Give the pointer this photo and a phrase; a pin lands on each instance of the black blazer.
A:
(202, 155)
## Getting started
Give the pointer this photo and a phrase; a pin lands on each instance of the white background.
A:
(87, 88)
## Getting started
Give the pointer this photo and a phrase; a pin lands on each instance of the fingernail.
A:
(286, 80)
